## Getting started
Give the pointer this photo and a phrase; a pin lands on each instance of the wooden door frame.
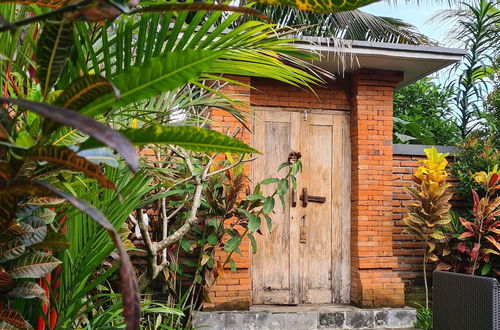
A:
(346, 225)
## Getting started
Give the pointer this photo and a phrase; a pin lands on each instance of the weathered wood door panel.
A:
(305, 259)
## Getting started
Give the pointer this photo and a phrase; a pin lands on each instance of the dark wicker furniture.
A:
(465, 302)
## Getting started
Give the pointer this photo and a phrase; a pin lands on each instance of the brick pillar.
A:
(374, 281)
(233, 290)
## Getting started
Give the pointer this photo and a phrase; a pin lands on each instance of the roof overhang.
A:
(415, 61)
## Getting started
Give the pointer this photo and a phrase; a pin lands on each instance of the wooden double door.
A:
(305, 259)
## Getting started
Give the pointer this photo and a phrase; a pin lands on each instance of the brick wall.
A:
(407, 248)
(378, 260)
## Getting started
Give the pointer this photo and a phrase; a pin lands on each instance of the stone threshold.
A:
(306, 317)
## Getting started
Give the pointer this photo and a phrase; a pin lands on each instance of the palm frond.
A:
(353, 25)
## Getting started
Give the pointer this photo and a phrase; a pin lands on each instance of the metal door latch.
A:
(305, 197)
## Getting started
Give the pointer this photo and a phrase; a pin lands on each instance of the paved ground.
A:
(308, 317)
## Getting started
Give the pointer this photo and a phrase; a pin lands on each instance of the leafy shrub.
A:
(478, 246)
(476, 154)
(22, 259)
(424, 318)
(428, 216)
(420, 114)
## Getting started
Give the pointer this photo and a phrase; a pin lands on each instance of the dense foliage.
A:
(421, 114)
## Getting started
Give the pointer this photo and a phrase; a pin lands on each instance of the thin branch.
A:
(145, 233)
(241, 160)
(186, 227)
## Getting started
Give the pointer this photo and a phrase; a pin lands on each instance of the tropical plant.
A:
(480, 246)
(421, 114)
(348, 25)
(228, 215)
(428, 215)
(424, 318)
(22, 259)
(477, 28)
(476, 154)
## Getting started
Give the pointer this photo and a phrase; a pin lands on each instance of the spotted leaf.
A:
(32, 265)
(70, 160)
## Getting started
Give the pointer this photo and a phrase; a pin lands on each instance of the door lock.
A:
(305, 197)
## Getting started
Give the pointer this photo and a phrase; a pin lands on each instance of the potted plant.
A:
(471, 299)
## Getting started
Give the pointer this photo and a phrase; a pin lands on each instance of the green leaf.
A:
(85, 124)
(185, 244)
(32, 265)
(282, 187)
(232, 265)
(39, 230)
(159, 74)
(268, 205)
(212, 239)
(214, 223)
(55, 242)
(24, 139)
(252, 242)
(46, 214)
(100, 156)
(254, 197)
(254, 223)
(188, 137)
(486, 269)
(28, 290)
(269, 180)
(12, 250)
(53, 49)
(283, 165)
(269, 222)
(232, 244)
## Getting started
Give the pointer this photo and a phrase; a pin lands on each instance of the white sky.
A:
(418, 15)
(414, 14)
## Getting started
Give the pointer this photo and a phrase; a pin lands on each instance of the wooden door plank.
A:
(271, 263)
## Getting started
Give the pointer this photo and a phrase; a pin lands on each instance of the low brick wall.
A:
(407, 248)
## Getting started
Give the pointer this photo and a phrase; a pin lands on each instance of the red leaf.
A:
(493, 180)
(467, 224)
(461, 247)
(475, 250)
(465, 235)
(493, 241)
(13, 317)
(443, 266)
(475, 196)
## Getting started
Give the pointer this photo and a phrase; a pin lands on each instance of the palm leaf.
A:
(56, 242)
(320, 6)
(188, 137)
(157, 75)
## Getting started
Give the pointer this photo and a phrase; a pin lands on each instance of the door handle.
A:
(294, 198)
(305, 197)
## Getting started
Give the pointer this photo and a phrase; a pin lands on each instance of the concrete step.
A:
(309, 317)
